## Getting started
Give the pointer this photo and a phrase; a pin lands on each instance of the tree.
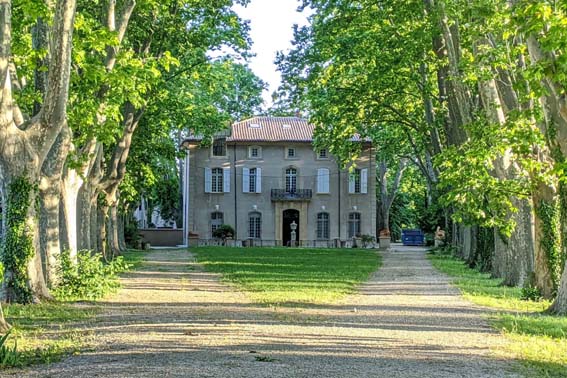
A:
(26, 144)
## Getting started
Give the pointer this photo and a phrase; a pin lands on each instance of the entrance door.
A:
(290, 216)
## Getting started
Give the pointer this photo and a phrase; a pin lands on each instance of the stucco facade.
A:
(304, 186)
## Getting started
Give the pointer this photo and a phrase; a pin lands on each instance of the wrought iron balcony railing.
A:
(293, 195)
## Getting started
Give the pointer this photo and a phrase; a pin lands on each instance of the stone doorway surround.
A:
(302, 207)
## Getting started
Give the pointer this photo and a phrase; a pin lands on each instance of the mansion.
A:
(265, 177)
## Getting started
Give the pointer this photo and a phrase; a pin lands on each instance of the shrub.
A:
(367, 240)
(223, 232)
(132, 234)
(89, 278)
(531, 293)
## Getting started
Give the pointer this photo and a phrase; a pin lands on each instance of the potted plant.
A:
(385, 238)
(224, 232)
(367, 241)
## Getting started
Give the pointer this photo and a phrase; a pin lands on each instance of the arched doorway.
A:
(289, 216)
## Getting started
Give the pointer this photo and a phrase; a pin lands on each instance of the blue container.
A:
(413, 237)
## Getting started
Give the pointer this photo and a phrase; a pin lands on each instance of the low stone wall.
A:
(162, 237)
(196, 242)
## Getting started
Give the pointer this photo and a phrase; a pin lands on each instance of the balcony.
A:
(296, 195)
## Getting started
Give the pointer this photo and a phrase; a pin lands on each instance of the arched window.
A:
(217, 180)
(255, 225)
(291, 180)
(323, 226)
(217, 219)
(353, 224)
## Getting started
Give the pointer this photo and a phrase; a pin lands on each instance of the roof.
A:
(271, 129)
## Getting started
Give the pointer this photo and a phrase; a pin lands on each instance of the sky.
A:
(271, 30)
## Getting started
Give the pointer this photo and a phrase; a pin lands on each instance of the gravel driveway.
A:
(171, 319)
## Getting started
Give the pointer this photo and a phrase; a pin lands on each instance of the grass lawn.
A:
(538, 340)
(291, 276)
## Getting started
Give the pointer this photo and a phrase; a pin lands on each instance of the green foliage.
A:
(536, 339)
(9, 356)
(531, 293)
(17, 248)
(89, 278)
(131, 233)
(550, 240)
(224, 231)
(367, 240)
(29, 324)
(284, 276)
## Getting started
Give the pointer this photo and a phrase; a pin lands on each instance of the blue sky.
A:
(271, 24)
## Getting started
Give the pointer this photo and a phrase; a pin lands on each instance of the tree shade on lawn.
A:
(283, 276)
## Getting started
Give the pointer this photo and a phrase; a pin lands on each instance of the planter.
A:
(384, 242)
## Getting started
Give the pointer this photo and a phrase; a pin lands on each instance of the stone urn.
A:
(384, 239)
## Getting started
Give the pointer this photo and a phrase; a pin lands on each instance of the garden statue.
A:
(439, 237)
(293, 227)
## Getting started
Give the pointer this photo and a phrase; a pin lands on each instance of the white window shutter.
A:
(226, 179)
(364, 181)
(258, 180)
(322, 180)
(351, 183)
(208, 180)
(246, 180)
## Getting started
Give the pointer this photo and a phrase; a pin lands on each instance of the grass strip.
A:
(536, 339)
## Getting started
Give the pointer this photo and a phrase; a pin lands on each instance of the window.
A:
(217, 220)
(291, 153)
(358, 181)
(252, 180)
(323, 181)
(255, 225)
(356, 175)
(323, 226)
(217, 180)
(291, 180)
(323, 153)
(254, 152)
(219, 147)
(353, 224)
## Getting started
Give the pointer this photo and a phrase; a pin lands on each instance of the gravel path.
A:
(174, 320)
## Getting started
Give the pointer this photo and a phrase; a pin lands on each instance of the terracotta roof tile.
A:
(272, 129)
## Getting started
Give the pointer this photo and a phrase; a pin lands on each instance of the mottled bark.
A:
(114, 174)
(24, 147)
(387, 195)
(50, 196)
(514, 256)
(559, 305)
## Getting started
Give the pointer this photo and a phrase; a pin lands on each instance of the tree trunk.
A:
(114, 226)
(50, 199)
(546, 237)
(514, 256)
(559, 305)
(121, 231)
(25, 148)
(71, 185)
(23, 274)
